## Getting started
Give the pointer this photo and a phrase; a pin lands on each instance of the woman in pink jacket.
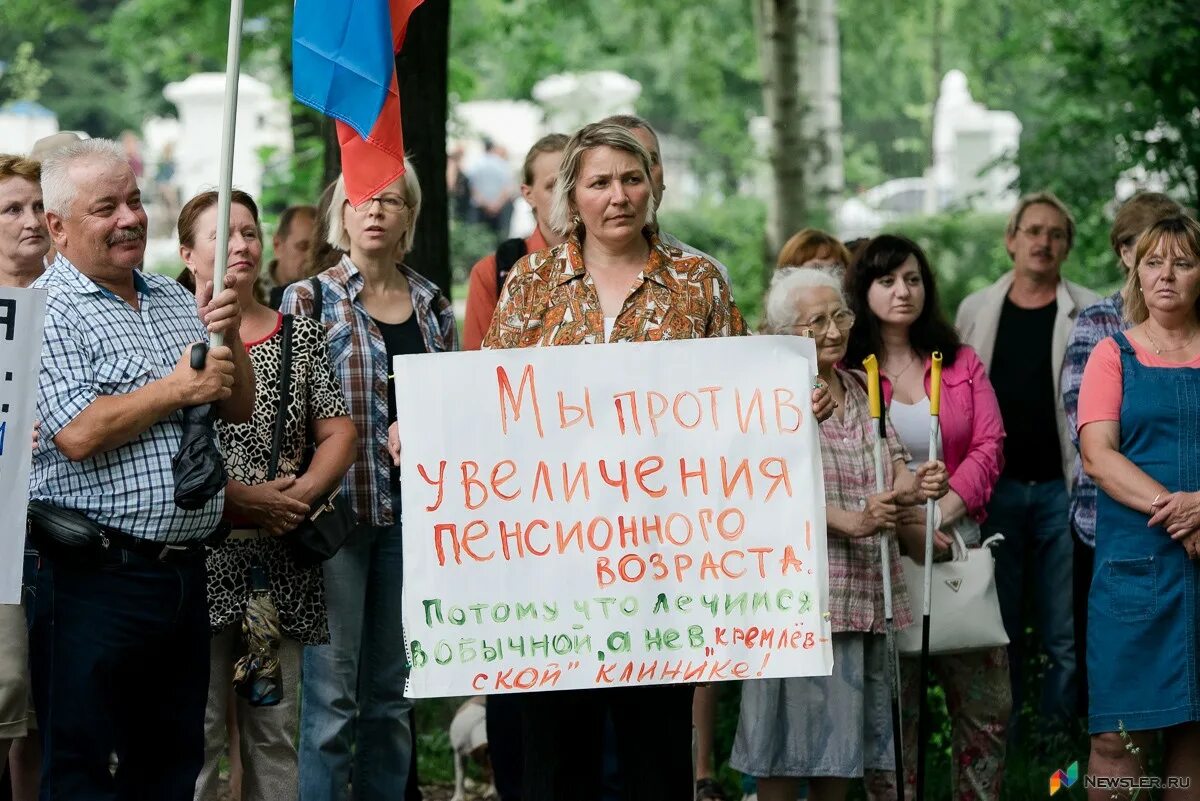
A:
(891, 289)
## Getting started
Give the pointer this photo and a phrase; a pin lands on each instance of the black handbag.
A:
(327, 527)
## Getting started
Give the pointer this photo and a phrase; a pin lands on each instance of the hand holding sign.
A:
(21, 315)
(661, 521)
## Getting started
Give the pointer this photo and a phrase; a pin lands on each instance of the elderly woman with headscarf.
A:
(830, 729)
(612, 280)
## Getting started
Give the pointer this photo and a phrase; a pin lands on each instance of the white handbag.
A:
(964, 614)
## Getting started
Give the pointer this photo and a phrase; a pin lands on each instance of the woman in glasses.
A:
(893, 293)
(355, 718)
(830, 729)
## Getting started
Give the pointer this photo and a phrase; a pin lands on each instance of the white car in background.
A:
(871, 211)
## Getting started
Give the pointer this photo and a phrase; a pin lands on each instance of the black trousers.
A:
(564, 741)
(124, 670)
(505, 749)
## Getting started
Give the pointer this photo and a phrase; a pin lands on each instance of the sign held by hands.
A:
(612, 515)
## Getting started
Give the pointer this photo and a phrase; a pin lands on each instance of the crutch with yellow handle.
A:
(875, 399)
(935, 404)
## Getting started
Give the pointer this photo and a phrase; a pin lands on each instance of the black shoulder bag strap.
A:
(317, 299)
(285, 393)
(508, 253)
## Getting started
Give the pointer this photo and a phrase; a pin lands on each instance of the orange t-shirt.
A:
(483, 294)
(1101, 392)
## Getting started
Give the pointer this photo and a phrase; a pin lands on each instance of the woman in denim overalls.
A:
(1140, 438)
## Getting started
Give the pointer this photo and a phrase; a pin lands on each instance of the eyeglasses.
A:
(843, 319)
(389, 203)
(1036, 232)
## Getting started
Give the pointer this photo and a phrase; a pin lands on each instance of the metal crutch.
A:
(875, 397)
(935, 402)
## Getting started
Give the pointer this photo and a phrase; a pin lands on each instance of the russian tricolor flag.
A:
(344, 66)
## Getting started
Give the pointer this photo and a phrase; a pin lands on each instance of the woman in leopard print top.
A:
(261, 510)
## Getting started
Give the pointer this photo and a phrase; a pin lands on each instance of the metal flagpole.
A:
(935, 404)
(228, 130)
(197, 466)
(875, 397)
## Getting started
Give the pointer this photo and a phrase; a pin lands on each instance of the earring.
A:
(576, 221)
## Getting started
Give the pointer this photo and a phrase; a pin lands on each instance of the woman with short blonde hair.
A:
(1139, 434)
(355, 718)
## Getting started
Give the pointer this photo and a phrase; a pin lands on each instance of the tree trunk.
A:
(422, 68)
(822, 88)
(935, 63)
(779, 27)
(331, 168)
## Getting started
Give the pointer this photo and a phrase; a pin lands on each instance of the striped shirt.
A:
(848, 457)
(97, 344)
(359, 357)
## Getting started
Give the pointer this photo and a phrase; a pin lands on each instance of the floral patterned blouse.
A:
(550, 299)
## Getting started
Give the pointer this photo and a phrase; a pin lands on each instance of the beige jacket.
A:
(979, 317)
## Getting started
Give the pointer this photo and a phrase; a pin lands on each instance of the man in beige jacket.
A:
(1020, 326)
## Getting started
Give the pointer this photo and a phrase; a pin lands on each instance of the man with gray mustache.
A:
(125, 667)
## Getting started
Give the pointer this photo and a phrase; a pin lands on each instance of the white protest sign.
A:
(21, 314)
(612, 515)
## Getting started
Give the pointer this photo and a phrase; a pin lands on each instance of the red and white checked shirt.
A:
(848, 456)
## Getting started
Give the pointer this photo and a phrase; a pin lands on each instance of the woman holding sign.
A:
(24, 241)
(832, 729)
(355, 718)
(894, 297)
(612, 280)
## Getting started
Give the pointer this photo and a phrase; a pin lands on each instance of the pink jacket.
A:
(972, 431)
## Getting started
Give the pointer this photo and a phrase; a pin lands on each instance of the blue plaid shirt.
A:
(97, 344)
(1098, 321)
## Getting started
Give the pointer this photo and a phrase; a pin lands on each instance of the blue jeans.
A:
(119, 660)
(355, 719)
(1037, 556)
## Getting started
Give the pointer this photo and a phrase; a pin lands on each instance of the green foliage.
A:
(469, 242)
(967, 252)
(1123, 94)
(733, 232)
(25, 76)
(171, 39)
(691, 87)
(435, 756)
(87, 87)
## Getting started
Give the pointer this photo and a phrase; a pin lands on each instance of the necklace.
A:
(896, 377)
(1159, 351)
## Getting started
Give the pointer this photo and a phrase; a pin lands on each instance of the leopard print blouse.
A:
(299, 593)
